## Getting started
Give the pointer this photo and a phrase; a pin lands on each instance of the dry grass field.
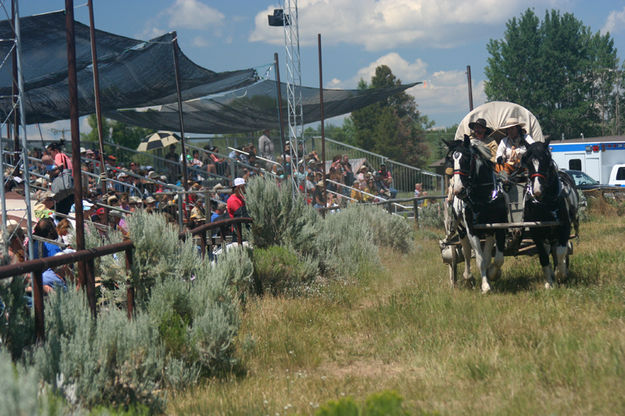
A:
(520, 350)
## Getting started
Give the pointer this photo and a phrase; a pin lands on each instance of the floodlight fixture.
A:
(279, 18)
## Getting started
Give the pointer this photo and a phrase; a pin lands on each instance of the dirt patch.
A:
(369, 369)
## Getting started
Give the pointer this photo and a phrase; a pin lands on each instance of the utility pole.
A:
(470, 88)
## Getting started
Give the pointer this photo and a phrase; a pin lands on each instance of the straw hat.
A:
(511, 122)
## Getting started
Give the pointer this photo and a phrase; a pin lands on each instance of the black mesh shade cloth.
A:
(132, 73)
(251, 108)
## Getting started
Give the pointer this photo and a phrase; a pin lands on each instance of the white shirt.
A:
(505, 147)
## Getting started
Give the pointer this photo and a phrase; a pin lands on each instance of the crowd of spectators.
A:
(114, 191)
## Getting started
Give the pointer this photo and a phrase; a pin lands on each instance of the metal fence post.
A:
(416, 211)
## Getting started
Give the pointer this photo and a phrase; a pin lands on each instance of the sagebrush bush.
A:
(431, 215)
(184, 328)
(279, 218)
(159, 253)
(17, 329)
(110, 270)
(111, 361)
(21, 392)
(280, 270)
(388, 230)
(345, 244)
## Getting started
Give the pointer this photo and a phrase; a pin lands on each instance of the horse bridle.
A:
(543, 176)
(464, 195)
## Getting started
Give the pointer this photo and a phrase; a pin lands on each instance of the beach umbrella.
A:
(158, 140)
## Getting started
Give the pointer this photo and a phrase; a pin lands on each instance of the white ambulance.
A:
(601, 158)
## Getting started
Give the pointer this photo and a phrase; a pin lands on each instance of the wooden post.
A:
(76, 169)
(37, 286)
(239, 232)
(90, 274)
(130, 290)
(416, 211)
(203, 243)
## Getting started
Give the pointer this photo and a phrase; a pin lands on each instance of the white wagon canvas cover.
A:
(496, 113)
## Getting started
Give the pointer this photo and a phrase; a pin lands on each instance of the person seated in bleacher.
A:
(356, 194)
(47, 229)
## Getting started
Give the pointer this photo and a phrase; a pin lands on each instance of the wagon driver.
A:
(482, 132)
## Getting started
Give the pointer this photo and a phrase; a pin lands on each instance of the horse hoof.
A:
(548, 285)
(494, 272)
(485, 288)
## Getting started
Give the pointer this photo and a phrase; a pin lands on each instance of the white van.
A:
(617, 175)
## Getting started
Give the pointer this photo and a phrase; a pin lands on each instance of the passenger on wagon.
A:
(512, 147)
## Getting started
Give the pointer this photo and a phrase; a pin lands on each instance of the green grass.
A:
(519, 350)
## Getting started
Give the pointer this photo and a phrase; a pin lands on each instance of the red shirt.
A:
(234, 203)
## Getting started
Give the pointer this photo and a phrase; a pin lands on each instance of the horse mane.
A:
(482, 149)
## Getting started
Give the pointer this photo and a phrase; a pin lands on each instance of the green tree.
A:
(116, 132)
(557, 69)
(392, 127)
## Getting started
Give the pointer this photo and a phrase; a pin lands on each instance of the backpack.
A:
(63, 185)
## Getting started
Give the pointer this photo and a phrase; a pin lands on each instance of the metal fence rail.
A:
(404, 176)
(37, 266)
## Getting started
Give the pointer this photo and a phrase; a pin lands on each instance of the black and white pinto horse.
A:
(551, 195)
(477, 199)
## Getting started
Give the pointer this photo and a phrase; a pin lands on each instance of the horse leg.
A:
(543, 255)
(466, 252)
(560, 257)
(481, 260)
(560, 252)
(494, 270)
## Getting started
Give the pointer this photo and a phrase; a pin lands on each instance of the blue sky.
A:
(421, 40)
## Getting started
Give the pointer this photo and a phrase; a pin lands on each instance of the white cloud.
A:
(615, 22)
(442, 96)
(383, 24)
(402, 69)
(193, 14)
(200, 42)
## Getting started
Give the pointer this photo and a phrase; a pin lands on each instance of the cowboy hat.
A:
(511, 122)
(480, 122)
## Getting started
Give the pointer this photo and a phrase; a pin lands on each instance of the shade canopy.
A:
(496, 114)
(133, 73)
(252, 108)
(158, 140)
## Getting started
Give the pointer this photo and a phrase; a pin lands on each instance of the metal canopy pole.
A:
(185, 184)
(36, 276)
(76, 168)
(323, 134)
(20, 89)
(280, 116)
(96, 91)
(16, 115)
